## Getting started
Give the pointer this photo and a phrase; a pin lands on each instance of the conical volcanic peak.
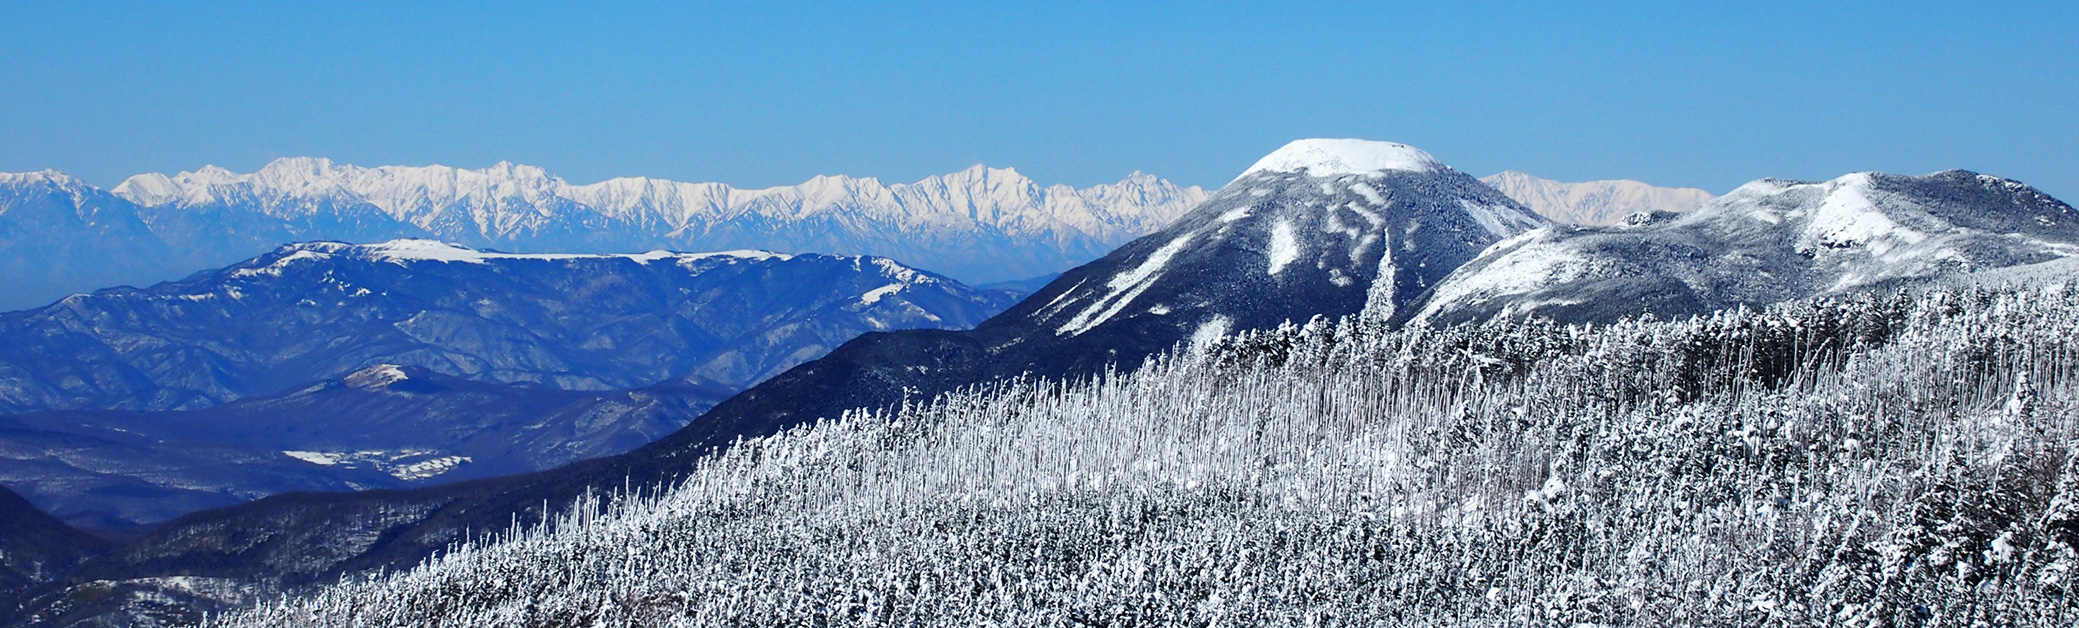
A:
(1333, 157)
(1320, 227)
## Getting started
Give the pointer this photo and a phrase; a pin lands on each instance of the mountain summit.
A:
(1330, 158)
(1323, 227)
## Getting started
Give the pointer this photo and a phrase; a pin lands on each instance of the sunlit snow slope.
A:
(1768, 241)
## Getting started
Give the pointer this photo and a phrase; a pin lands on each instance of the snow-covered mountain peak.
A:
(1345, 226)
(1336, 157)
(42, 177)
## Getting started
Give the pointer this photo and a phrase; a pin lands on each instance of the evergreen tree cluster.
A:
(1902, 460)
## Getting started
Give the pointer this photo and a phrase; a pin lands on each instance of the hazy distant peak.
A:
(1603, 202)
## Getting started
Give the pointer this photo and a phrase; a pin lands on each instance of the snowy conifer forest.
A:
(1890, 460)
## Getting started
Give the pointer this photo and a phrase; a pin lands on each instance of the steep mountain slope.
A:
(1766, 242)
(1304, 233)
(1593, 202)
(382, 427)
(315, 311)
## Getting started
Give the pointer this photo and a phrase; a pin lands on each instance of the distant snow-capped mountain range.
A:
(60, 236)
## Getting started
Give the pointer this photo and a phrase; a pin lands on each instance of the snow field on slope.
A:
(1886, 460)
(1125, 287)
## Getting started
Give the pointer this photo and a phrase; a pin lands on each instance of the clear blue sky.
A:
(758, 94)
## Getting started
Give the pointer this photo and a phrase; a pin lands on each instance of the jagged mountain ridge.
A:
(1769, 241)
(1287, 241)
(1593, 202)
(314, 311)
(979, 225)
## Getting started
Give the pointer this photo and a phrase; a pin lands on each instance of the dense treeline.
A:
(1886, 461)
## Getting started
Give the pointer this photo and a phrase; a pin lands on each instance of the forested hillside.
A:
(1888, 460)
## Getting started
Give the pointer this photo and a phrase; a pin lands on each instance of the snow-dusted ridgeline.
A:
(319, 310)
(60, 236)
(980, 224)
(1593, 202)
(1853, 463)
(1766, 242)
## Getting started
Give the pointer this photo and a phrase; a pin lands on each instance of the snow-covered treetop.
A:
(1332, 157)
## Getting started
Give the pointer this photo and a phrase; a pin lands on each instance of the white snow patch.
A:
(1500, 220)
(1209, 332)
(1848, 217)
(420, 250)
(1332, 157)
(275, 269)
(1234, 215)
(1124, 287)
(1284, 246)
(1528, 268)
(874, 296)
(314, 457)
(376, 376)
(1054, 305)
(428, 468)
(1369, 215)
(1368, 193)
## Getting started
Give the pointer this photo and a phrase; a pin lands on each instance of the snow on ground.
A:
(1368, 193)
(1210, 332)
(874, 296)
(427, 468)
(314, 457)
(1500, 220)
(1531, 266)
(376, 376)
(275, 269)
(1124, 287)
(421, 250)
